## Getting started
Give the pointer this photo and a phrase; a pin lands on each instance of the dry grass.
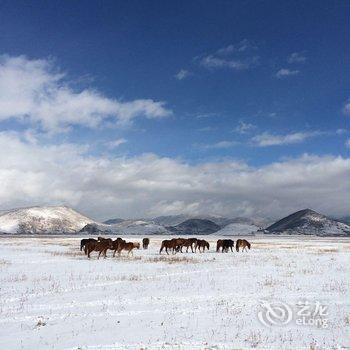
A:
(335, 286)
(254, 339)
(269, 282)
(4, 262)
(173, 259)
(327, 250)
(14, 278)
(70, 253)
(117, 278)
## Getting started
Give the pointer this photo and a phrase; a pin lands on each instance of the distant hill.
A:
(127, 227)
(194, 227)
(42, 220)
(344, 219)
(238, 229)
(169, 220)
(309, 222)
(113, 221)
(173, 220)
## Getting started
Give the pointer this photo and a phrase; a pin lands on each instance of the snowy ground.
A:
(53, 297)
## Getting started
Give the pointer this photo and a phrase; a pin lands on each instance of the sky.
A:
(146, 108)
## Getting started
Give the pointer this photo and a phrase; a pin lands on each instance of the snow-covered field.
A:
(53, 297)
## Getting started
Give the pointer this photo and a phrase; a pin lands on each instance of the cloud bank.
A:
(147, 185)
(35, 92)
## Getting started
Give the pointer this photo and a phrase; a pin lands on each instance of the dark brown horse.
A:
(145, 243)
(178, 244)
(168, 244)
(202, 243)
(128, 246)
(100, 239)
(84, 241)
(242, 243)
(98, 246)
(190, 243)
(116, 243)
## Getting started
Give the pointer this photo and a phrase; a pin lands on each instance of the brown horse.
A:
(219, 244)
(84, 241)
(128, 246)
(145, 243)
(178, 244)
(116, 244)
(202, 243)
(242, 243)
(101, 239)
(168, 244)
(190, 243)
(98, 246)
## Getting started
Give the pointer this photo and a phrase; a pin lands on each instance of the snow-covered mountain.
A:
(113, 221)
(42, 220)
(173, 220)
(127, 227)
(309, 222)
(238, 229)
(195, 226)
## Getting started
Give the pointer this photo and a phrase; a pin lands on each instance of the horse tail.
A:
(81, 245)
(161, 248)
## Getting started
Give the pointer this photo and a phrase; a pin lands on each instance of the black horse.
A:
(227, 244)
(84, 241)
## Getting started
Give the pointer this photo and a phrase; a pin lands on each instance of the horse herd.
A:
(175, 245)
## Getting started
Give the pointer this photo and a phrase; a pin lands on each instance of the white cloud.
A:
(285, 72)
(150, 185)
(234, 57)
(207, 128)
(218, 145)
(244, 128)
(242, 46)
(341, 131)
(346, 108)
(267, 139)
(34, 91)
(296, 57)
(115, 143)
(182, 74)
(213, 62)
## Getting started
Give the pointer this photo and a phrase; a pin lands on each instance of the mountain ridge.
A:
(309, 222)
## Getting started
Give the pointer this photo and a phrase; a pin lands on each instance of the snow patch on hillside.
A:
(237, 229)
(41, 220)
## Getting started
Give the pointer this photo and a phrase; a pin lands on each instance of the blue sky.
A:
(246, 82)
